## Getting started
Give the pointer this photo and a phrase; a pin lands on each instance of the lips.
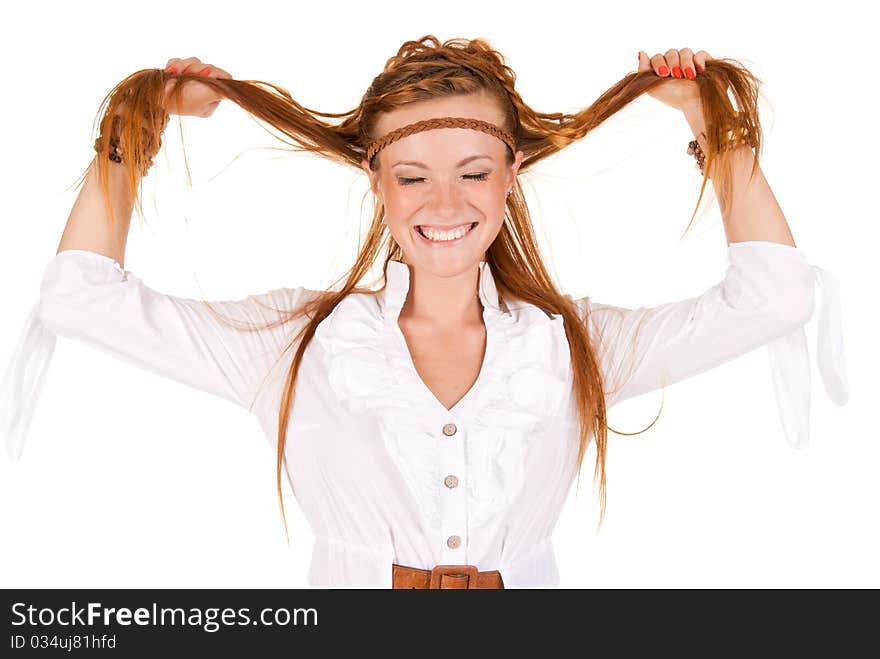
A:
(440, 227)
(445, 243)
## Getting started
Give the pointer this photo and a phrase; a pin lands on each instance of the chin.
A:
(444, 265)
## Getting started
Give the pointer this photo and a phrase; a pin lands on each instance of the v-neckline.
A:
(396, 289)
(465, 399)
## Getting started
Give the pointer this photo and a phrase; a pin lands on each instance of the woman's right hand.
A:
(196, 99)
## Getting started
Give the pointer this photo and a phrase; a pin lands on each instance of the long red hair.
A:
(426, 69)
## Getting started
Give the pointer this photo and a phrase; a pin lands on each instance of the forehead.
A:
(438, 145)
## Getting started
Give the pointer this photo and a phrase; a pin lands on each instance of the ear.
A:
(372, 176)
(514, 168)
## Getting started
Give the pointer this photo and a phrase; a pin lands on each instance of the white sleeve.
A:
(88, 297)
(765, 298)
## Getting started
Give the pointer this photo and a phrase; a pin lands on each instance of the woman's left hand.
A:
(681, 67)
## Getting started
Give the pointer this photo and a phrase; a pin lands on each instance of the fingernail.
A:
(676, 71)
(206, 72)
(689, 72)
(172, 70)
(663, 71)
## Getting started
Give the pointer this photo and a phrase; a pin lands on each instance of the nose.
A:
(446, 199)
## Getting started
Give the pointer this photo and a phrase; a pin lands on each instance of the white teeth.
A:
(441, 236)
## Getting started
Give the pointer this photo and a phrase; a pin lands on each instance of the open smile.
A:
(447, 237)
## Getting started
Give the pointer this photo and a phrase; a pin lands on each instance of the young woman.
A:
(431, 429)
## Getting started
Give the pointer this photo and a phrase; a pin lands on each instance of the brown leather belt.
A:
(444, 576)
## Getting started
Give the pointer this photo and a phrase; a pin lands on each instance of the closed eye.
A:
(472, 177)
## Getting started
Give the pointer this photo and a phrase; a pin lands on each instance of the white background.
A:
(130, 480)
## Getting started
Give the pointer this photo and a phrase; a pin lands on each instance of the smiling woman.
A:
(435, 198)
(468, 385)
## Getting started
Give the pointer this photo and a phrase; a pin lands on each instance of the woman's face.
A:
(449, 189)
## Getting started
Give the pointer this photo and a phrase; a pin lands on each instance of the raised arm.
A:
(87, 295)
(765, 298)
(767, 293)
(88, 225)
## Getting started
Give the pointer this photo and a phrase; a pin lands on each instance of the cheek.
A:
(400, 204)
(397, 227)
(494, 208)
(398, 213)
(493, 226)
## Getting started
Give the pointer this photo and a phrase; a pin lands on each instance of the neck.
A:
(443, 302)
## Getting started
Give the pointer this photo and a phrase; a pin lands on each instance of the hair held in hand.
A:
(427, 69)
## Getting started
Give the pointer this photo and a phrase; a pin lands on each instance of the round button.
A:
(451, 481)
(453, 541)
(449, 429)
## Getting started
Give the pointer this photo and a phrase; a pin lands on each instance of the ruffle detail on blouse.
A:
(524, 378)
(367, 374)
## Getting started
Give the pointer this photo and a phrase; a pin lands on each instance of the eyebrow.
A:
(415, 163)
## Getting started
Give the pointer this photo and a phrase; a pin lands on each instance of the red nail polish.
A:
(689, 72)
(206, 72)
(676, 71)
(663, 71)
(172, 70)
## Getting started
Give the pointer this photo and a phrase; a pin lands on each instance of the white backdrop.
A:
(130, 480)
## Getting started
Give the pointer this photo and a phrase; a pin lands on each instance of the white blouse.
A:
(482, 483)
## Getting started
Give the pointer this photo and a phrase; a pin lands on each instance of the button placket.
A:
(453, 503)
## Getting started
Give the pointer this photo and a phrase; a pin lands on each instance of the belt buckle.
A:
(469, 571)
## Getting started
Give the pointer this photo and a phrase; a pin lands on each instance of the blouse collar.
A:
(397, 287)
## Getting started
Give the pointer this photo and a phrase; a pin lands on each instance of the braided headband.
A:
(440, 122)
